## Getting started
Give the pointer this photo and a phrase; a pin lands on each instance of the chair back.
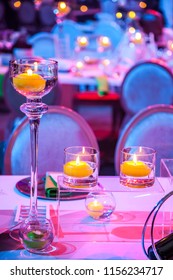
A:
(59, 128)
(151, 127)
(68, 33)
(147, 83)
(44, 44)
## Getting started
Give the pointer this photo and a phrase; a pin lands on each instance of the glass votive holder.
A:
(100, 204)
(80, 168)
(36, 236)
(137, 167)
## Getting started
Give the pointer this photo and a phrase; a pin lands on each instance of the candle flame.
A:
(83, 150)
(29, 72)
(82, 41)
(104, 41)
(35, 66)
(77, 160)
(79, 65)
(135, 159)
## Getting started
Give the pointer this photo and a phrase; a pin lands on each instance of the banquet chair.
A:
(146, 83)
(59, 128)
(151, 127)
(44, 44)
(67, 34)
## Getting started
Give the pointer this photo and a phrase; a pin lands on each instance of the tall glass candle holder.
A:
(80, 167)
(34, 78)
(137, 167)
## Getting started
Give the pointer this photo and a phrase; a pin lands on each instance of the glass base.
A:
(74, 182)
(71, 185)
(34, 108)
(136, 182)
(36, 236)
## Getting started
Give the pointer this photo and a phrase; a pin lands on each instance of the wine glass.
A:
(34, 78)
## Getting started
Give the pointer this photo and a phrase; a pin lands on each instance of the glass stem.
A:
(34, 124)
(34, 109)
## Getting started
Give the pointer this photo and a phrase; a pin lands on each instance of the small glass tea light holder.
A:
(36, 237)
(137, 167)
(100, 204)
(80, 168)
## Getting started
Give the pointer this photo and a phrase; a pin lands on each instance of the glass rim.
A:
(67, 150)
(27, 60)
(149, 151)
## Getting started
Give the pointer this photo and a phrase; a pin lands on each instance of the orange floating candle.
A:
(29, 82)
(77, 168)
(95, 209)
(135, 168)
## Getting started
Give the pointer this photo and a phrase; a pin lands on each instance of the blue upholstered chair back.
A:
(151, 127)
(44, 44)
(59, 128)
(147, 83)
(67, 34)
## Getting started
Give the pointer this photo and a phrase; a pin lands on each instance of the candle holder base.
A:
(34, 108)
(36, 235)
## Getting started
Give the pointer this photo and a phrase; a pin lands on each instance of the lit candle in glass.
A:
(104, 42)
(82, 41)
(95, 209)
(135, 168)
(137, 38)
(29, 82)
(79, 65)
(77, 168)
(80, 167)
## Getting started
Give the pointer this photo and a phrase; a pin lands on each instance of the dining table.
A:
(78, 236)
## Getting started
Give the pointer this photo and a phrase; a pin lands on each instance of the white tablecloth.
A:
(82, 237)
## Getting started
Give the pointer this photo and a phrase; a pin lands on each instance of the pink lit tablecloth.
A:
(80, 236)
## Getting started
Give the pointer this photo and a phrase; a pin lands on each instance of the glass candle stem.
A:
(34, 109)
(34, 124)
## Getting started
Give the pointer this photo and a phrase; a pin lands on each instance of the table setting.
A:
(108, 213)
(78, 207)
